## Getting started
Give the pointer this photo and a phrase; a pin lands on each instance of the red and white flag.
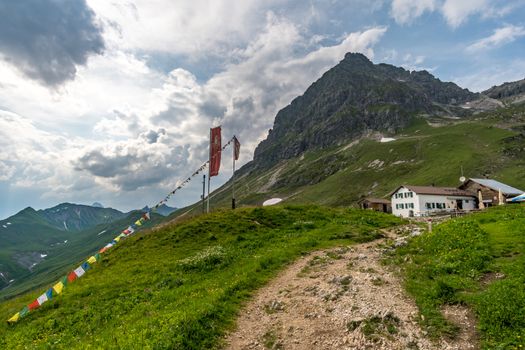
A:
(215, 151)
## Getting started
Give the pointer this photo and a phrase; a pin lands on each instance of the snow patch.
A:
(271, 201)
(4, 226)
(65, 226)
(8, 223)
(386, 139)
(101, 233)
(43, 255)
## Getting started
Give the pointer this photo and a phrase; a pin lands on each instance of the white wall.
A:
(406, 199)
(419, 203)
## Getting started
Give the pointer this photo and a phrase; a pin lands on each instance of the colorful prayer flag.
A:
(72, 276)
(24, 311)
(34, 305)
(42, 299)
(58, 287)
(215, 151)
(14, 318)
(146, 216)
(85, 266)
(138, 223)
(92, 260)
(79, 271)
(49, 293)
(116, 239)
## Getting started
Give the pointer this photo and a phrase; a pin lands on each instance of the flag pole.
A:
(203, 193)
(233, 176)
(209, 177)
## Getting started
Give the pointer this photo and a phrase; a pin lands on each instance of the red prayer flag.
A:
(215, 151)
(72, 276)
(33, 305)
(236, 148)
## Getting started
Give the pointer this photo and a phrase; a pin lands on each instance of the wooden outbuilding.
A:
(490, 192)
(377, 204)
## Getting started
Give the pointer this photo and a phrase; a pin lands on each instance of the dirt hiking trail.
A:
(341, 298)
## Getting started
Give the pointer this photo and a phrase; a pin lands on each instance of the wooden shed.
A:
(377, 204)
(489, 191)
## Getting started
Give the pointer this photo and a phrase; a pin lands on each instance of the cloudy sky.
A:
(111, 101)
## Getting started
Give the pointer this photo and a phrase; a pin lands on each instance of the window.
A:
(428, 206)
(412, 205)
(433, 205)
(466, 200)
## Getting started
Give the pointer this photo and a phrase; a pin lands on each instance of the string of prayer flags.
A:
(80, 271)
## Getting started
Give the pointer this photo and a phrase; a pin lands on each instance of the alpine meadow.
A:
(265, 175)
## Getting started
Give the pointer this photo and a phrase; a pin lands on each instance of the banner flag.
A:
(58, 287)
(85, 266)
(215, 151)
(15, 318)
(42, 299)
(116, 239)
(72, 276)
(33, 306)
(138, 223)
(146, 216)
(131, 230)
(92, 260)
(79, 271)
(236, 148)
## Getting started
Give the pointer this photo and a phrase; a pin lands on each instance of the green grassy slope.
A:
(62, 257)
(181, 286)
(479, 261)
(490, 144)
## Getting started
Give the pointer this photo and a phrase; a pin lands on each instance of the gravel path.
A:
(341, 298)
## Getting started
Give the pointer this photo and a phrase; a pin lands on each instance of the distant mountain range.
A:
(32, 238)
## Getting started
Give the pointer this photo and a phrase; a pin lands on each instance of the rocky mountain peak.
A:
(354, 98)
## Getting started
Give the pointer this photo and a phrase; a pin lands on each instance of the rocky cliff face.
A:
(508, 92)
(353, 98)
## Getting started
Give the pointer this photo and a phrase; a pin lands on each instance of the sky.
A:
(111, 101)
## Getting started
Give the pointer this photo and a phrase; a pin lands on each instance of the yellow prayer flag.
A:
(58, 287)
(92, 260)
(116, 239)
(15, 318)
(138, 222)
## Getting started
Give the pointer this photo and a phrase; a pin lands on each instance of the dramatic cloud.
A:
(405, 11)
(46, 40)
(501, 36)
(262, 78)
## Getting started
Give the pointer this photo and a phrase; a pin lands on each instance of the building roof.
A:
(438, 191)
(375, 200)
(496, 185)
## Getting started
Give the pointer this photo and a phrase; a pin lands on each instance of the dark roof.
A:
(375, 200)
(439, 191)
(496, 186)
